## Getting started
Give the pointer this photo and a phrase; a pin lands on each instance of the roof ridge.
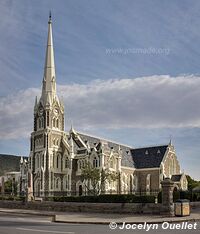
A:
(100, 138)
(150, 146)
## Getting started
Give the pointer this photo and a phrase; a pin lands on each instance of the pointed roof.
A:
(148, 157)
(49, 80)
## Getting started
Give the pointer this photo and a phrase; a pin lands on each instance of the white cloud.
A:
(146, 102)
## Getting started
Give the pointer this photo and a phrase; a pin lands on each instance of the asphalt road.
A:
(26, 224)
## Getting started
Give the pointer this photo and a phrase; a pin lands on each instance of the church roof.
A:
(176, 178)
(149, 157)
(127, 160)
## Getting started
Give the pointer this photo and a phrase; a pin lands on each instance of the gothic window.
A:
(51, 180)
(40, 122)
(57, 183)
(47, 118)
(54, 122)
(67, 163)
(79, 164)
(131, 182)
(68, 179)
(95, 162)
(37, 161)
(83, 163)
(148, 182)
(136, 182)
(112, 163)
(41, 180)
(171, 166)
(42, 160)
(57, 123)
(57, 161)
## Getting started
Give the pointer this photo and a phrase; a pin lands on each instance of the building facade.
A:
(57, 157)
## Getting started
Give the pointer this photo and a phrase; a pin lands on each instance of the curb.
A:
(129, 222)
(26, 213)
(54, 219)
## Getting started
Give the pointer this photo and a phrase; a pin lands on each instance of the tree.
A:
(192, 183)
(97, 178)
(10, 187)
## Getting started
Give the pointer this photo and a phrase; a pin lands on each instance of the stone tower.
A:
(48, 132)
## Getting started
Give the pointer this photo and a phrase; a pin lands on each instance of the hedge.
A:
(11, 198)
(107, 198)
(195, 196)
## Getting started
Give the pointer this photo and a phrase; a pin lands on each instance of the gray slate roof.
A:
(127, 160)
(148, 157)
(176, 178)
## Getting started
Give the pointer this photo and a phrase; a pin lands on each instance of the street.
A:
(25, 224)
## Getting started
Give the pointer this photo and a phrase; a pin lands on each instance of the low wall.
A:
(137, 208)
(195, 205)
(134, 208)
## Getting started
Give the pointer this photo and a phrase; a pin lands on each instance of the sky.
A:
(127, 71)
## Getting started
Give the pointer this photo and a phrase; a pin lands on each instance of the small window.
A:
(54, 122)
(57, 183)
(57, 163)
(67, 163)
(146, 152)
(47, 118)
(95, 162)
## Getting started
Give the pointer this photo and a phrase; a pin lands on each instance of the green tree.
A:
(10, 187)
(97, 178)
(192, 183)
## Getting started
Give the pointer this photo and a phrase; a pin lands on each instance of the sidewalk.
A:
(99, 218)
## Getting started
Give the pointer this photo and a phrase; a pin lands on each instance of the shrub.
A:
(107, 198)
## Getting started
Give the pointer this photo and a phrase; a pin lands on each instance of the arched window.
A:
(57, 123)
(68, 179)
(136, 182)
(66, 183)
(51, 180)
(54, 122)
(42, 122)
(131, 183)
(95, 162)
(148, 183)
(57, 161)
(67, 162)
(47, 118)
(36, 162)
(57, 183)
(112, 163)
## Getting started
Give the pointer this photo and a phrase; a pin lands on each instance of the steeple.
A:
(49, 79)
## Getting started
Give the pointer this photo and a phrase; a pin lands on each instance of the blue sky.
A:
(127, 71)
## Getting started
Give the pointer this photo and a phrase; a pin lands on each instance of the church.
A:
(57, 157)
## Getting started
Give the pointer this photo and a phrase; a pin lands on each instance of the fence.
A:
(192, 196)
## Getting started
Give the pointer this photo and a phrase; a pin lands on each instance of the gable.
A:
(149, 157)
(126, 160)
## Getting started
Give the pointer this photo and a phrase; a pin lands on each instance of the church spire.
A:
(49, 80)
